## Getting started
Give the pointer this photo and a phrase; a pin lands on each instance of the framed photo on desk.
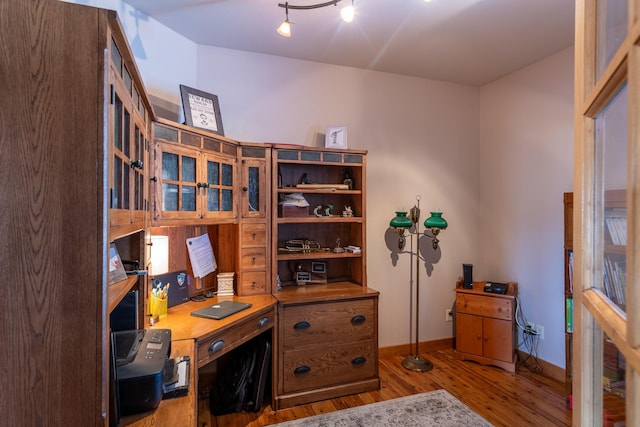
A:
(201, 110)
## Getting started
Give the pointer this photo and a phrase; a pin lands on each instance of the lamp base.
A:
(417, 363)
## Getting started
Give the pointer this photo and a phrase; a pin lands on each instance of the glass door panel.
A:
(218, 187)
(610, 168)
(253, 189)
(178, 182)
(611, 160)
(611, 30)
(613, 385)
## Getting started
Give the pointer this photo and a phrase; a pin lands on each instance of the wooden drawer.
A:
(215, 346)
(320, 324)
(487, 306)
(329, 365)
(253, 258)
(253, 283)
(254, 234)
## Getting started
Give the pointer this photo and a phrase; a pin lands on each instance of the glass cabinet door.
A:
(178, 184)
(216, 189)
(120, 184)
(139, 165)
(254, 197)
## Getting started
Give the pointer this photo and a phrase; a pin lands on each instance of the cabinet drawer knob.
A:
(302, 370)
(358, 319)
(263, 322)
(359, 360)
(216, 346)
(499, 309)
(302, 325)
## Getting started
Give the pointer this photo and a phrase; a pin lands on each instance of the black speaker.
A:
(467, 276)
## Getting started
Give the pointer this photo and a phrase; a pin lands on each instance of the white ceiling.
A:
(462, 41)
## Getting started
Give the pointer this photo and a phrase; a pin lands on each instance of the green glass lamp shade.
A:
(401, 221)
(435, 221)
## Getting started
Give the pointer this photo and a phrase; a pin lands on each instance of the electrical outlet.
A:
(448, 315)
(540, 330)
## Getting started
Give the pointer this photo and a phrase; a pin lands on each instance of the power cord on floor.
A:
(530, 340)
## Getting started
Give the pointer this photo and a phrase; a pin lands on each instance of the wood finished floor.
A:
(504, 399)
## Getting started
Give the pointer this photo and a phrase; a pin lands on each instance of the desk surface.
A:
(185, 326)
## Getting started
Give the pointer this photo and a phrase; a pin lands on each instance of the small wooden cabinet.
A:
(485, 325)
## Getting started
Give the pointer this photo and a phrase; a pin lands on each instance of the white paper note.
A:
(201, 254)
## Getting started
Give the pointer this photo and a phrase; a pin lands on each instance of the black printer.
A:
(140, 356)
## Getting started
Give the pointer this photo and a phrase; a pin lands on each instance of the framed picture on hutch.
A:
(201, 110)
(336, 137)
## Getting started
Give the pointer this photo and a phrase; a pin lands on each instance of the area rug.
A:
(435, 408)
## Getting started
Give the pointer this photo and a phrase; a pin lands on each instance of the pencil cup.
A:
(157, 306)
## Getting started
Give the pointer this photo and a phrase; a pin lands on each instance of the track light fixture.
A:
(346, 13)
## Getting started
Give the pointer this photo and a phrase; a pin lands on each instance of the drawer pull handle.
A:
(499, 309)
(359, 360)
(302, 370)
(302, 325)
(263, 322)
(216, 346)
(358, 319)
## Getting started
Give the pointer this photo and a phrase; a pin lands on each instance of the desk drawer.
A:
(253, 283)
(253, 258)
(316, 325)
(329, 365)
(487, 306)
(215, 346)
(254, 234)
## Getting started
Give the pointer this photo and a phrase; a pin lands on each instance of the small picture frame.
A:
(336, 137)
(201, 110)
(116, 268)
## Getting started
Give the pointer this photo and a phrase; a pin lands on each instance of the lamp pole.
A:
(433, 224)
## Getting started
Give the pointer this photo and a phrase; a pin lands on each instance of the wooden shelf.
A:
(323, 219)
(289, 190)
(118, 290)
(315, 255)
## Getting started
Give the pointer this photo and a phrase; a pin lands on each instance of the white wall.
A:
(422, 138)
(527, 164)
(164, 58)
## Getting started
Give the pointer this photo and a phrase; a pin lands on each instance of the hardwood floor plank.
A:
(505, 399)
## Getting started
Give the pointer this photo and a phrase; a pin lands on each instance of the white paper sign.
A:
(201, 255)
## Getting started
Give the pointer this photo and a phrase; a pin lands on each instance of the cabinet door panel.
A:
(469, 334)
(498, 339)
